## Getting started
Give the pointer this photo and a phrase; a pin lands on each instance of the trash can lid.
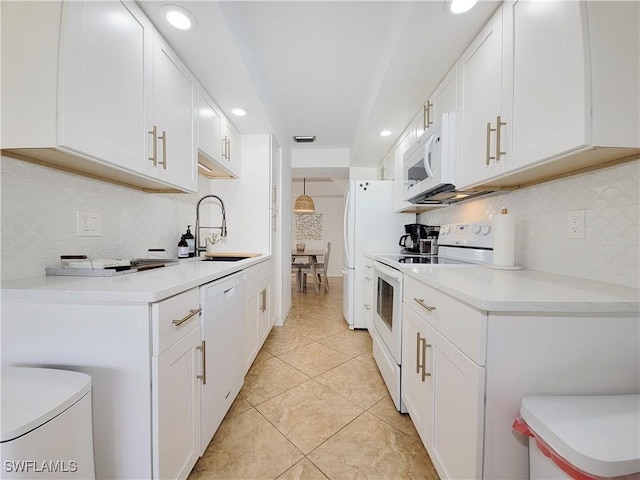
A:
(597, 434)
(33, 396)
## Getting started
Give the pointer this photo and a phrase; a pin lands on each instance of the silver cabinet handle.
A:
(424, 359)
(189, 315)
(489, 157)
(368, 307)
(499, 125)
(154, 146)
(418, 341)
(427, 114)
(420, 302)
(163, 137)
(263, 306)
(203, 349)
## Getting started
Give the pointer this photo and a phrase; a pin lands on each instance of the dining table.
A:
(310, 257)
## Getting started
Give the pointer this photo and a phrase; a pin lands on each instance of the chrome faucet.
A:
(222, 228)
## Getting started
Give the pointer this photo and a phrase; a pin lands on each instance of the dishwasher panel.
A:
(222, 323)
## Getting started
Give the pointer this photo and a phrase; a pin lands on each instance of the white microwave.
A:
(429, 165)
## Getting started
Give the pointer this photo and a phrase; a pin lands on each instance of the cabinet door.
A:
(252, 327)
(480, 97)
(209, 128)
(174, 107)
(415, 386)
(176, 408)
(444, 98)
(456, 407)
(106, 82)
(231, 148)
(549, 90)
(398, 185)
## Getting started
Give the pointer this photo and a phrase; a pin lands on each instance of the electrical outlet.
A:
(575, 224)
(88, 224)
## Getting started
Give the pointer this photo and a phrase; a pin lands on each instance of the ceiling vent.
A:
(304, 139)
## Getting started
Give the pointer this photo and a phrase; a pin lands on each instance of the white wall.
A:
(328, 198)
(609, 253)
(39, 218)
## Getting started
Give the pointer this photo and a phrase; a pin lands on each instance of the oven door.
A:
(387, 315)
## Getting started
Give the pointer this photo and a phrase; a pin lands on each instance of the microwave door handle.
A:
(426, 162)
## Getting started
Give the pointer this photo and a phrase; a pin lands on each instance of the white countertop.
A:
(140, 287)
(493, 290)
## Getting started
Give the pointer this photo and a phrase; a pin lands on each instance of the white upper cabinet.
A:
(480, 95)
(213, 144)
(544, 87)
(443, 99)
(85, 93)
(231, 148)
(106, 82)
(173, 133)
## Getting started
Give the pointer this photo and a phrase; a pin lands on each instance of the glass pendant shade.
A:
(304, 203)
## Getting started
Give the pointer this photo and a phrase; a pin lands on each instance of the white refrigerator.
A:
(370, 225)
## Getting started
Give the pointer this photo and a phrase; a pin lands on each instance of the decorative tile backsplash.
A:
(611, 198)
(39, 207)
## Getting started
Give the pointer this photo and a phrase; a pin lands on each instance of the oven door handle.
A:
(388, 271)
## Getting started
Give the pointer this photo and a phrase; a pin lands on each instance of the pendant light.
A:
(304, 203)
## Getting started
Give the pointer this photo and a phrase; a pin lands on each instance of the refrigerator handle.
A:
(347, 207)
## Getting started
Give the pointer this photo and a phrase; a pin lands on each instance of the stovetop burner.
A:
(424, 259)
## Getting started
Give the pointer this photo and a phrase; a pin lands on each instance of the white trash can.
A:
(581, 437)
(47, 430)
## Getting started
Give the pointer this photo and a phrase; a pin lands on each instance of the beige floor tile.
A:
(309, 414)
(386, 410)
(357, 381)
(246, 446)
(349, 342)
(282, 340)
(367, 357)
(369, 448)
(269, 378)
(239, 405)
(314, 359)
(303, 470)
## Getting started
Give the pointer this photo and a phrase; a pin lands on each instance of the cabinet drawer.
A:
(174, 318)
(462, 325)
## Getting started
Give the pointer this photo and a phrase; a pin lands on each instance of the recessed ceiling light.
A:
(385, 133)
(179, 17)
(239, 111)
(456, 7)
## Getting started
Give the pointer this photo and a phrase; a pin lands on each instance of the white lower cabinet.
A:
(177, 368)
(465, 372)
(258, 318)
(443, 391)
(176, 406)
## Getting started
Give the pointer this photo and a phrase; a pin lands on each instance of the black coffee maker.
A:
(414, 232)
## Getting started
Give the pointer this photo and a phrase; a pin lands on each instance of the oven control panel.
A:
(470, 234)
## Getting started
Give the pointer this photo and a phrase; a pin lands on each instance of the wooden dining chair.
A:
(320, 268)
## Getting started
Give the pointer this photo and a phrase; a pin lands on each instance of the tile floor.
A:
(314, 406)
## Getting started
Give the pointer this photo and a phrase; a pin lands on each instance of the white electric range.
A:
(458, 244)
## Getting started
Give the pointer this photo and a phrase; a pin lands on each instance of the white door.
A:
(456, 408)
(415, 384)
(106, 82)
(549, 90)
(480, 98)
(209, 127)
(348, 228)
(176, 405)
(174, 104)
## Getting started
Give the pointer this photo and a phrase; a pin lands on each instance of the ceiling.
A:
(340, 70)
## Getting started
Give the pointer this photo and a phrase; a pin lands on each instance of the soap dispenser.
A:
(183, 248)
(191, 241)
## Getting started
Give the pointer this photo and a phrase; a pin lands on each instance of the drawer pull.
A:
(203, 349)
(418, 341)
(190, 314)
(420, 301)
